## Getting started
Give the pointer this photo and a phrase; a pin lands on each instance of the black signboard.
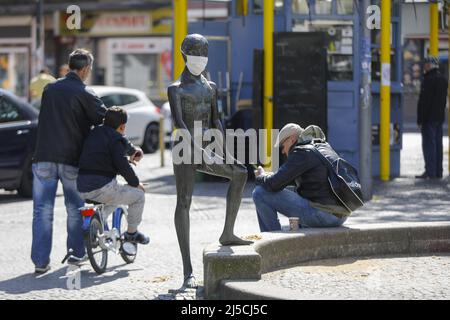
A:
(300, 79)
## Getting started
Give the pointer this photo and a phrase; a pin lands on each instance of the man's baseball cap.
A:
(287, 131)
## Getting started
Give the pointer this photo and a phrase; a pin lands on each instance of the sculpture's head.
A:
(195, 53)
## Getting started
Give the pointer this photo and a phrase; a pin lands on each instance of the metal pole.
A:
(179, 33)
(40, 35)
(268, 76)
(385, 90)
(448, 111)
(162, 144)
(365, 110)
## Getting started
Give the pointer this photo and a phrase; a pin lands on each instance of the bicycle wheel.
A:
(97, 256)
(123, 227)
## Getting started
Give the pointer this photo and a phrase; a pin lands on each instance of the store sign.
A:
(140, 45)
(122, 23)
(117, 23)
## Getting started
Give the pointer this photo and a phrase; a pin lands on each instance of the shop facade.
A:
(341, 23)
(17, 58)
(132, 49)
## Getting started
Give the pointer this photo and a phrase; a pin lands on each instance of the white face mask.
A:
(196, 64)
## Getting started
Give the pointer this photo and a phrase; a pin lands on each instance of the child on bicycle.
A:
(102, 159)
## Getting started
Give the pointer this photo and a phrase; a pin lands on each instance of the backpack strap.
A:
(321, 157)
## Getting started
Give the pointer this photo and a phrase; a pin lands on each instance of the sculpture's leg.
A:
(238, 177)
(184, 178)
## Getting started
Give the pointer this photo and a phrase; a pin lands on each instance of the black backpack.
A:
(342, 177)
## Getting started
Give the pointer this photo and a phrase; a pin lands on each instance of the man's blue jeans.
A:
(432, 147)
(290, 204)
(45, 182)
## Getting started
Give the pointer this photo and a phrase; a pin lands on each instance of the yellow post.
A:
(268, 76)
(385, 91)
(179, 33)
(434, 30)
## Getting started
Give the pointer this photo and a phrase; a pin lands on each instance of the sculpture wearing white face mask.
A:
(196, 64)
(194, 99)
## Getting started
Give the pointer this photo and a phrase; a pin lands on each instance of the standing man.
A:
(431, 116)
(69, 109)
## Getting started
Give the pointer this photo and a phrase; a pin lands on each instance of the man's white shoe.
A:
(42, 270)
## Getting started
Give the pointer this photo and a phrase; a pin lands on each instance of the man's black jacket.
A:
(310, 175)
(68, 111)
(104, 154)
(432, 99)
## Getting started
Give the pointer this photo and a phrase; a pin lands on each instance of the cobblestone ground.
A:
(420, 277)
(158, 266)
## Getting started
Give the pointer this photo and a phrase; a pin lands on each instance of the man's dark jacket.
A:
(433, 98)
(310, 175)
(104, 155)
(69, 109)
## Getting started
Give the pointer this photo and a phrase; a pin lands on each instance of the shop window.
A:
(345, 7)
(339, 41)
(8, 111)
(376, 65)
(258, 6)
(412, 65)
(323, 7)
(300, 6)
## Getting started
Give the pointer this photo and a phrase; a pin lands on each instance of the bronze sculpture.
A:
(193, 98)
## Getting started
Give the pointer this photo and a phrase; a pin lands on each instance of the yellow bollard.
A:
(385, 90)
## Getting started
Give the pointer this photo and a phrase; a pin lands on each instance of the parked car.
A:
(18, 128)
(168, 124)
(143, 116)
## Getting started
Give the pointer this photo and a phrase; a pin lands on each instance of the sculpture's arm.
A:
(175, 108)
(216, 118)
(214, 110)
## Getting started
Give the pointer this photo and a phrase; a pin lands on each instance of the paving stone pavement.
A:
(374, 278)
(158, 266)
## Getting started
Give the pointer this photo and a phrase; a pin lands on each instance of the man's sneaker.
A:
(422, 176)
(77, 261)
(42, 270)
(136, 237)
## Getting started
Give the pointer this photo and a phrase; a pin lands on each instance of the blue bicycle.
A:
(100, 239)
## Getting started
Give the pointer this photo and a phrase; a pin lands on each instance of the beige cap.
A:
(287, 131)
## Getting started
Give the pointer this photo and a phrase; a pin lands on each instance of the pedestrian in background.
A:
(431, 116)
(37, 85)
(69, 110)
(63, 70)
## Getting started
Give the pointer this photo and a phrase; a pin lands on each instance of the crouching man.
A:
(313, 201)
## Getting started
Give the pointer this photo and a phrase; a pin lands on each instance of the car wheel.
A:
(151, 138)
(26, 184)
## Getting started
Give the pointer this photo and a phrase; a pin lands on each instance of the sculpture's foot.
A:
(190, 282)
(233, 241)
